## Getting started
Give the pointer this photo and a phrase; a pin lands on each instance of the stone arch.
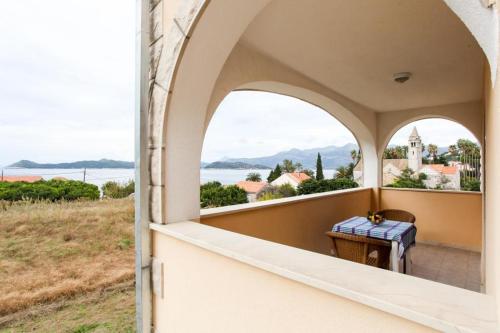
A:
(360, 131)
(400, 125)
(184, 76)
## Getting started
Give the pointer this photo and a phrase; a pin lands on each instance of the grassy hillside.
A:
(55, 252)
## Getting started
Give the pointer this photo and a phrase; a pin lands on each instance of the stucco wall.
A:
(207, 292)
(447, 218)
(300, 224)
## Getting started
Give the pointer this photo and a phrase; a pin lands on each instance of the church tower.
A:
(414, 151)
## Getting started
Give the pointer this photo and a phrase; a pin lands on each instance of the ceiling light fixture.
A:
(401, 77)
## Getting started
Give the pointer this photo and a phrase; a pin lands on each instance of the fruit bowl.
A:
(375, 218)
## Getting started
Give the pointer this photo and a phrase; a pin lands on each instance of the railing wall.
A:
(301, 222)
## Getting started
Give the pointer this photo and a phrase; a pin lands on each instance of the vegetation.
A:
(317, 186)
(274, 174)
(110, 310)
(51, 190)
(213, 194)
(470, 184)
(254, 177)
(396, 152)
(50, 252)
(117, 190)
(408, 179)
(319, 168)
(277, 192)
(289, 166)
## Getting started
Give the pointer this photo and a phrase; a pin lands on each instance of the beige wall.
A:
(447, 218)
(492, 189)
(301, 224)
(207, 292)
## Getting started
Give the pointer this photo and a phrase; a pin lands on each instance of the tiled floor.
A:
(455, 267)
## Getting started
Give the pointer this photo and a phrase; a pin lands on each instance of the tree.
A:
(319, 168)
(274, 174)
(453, 150)
(317, 186)
(213, 194)
(277, 192)
(432, 149)
(117, 190)
(288, 166)
(254, 177)
(308, 172)
(396, 152)
(467, 147)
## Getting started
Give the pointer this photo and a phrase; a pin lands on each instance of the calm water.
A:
(100, 176)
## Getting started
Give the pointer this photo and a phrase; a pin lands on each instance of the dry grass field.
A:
(57, 255)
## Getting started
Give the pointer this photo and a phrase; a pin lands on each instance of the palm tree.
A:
(254, 177)
(433, 150)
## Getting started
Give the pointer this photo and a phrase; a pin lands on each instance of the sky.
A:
(253, 124)
(66, 80)
(67, 93)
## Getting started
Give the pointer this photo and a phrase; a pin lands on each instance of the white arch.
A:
(218, 28)
(362, 134)
(402, 124)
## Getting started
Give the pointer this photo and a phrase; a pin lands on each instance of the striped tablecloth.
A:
(402, 232)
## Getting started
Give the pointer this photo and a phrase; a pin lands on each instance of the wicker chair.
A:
(360, 249)
(397, 215)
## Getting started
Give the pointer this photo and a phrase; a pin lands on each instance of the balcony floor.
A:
(454, 267)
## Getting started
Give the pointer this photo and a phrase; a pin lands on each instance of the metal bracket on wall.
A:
(157, 276)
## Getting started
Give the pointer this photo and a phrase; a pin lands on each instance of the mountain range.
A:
(331, 156)
(100, 164)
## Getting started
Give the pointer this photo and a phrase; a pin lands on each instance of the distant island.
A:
(235, 165)
(100, 164)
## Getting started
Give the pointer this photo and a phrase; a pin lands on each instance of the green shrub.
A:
(213, 194)
(470, 184)
(117, 190)
(317, 186)
(52, 190)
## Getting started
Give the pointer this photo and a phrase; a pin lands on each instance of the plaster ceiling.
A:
(355, 47)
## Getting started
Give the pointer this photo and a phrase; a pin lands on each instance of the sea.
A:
(100, 176)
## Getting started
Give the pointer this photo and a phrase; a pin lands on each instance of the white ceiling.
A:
(355, 46)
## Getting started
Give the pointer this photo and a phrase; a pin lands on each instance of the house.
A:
(252, 188)
(392, 169)
(292, 178)
(438, 175)
(26, 179)
(375, 66)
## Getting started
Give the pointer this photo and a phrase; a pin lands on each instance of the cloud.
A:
(249, 124)
(442, 132)
(67, 80)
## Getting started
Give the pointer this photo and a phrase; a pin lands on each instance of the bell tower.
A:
(414, 151)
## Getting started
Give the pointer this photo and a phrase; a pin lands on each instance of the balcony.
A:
(449, 226)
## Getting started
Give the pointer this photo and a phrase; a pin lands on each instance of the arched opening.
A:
(433, 153)
(316, 53)
(432, 167)
(273, 146)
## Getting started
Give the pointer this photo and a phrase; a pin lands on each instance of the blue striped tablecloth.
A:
(402, 232)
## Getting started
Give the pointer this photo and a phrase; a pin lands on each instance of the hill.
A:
(100, 164)
(332, 157)
(234, 165)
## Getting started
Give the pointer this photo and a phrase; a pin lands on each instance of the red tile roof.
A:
(299, 176)
(448, 170)
(27, 179)
(251, 187)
